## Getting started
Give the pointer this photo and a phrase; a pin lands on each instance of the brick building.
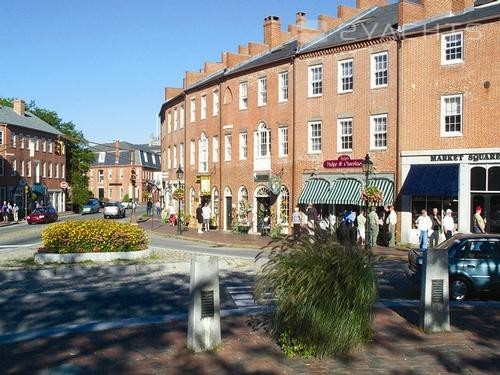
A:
(110, 175)
(289, 121)
(32, 159)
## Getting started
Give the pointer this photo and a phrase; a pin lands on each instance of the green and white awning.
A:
(345, 191)
(315, 191)
(386, 187)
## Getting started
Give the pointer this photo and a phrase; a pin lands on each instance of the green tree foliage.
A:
(78, 155)
(324, 295)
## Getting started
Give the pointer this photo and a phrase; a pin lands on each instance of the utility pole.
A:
(133, 179)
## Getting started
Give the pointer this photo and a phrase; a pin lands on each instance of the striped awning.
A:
(315, 191)
(386, 187)
(345, 191)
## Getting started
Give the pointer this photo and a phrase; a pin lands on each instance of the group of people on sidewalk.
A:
(9, 212)
(203, 216)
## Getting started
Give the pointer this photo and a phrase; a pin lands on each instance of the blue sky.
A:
(103, 64)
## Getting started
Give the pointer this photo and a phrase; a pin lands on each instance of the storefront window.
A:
(478, 179)
(420, 203)
(494, 179)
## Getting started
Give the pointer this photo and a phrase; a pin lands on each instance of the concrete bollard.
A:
(204, 304)
(434, 296)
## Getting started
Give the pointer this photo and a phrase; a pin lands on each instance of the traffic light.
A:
(58, 148)
(133, 177)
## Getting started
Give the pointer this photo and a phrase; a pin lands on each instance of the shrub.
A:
(91, 236)
(324, 295)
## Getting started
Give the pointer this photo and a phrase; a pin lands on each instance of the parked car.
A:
(473, 264)
(127, 204)
(42, 215)
(113, 209)
(91, 207)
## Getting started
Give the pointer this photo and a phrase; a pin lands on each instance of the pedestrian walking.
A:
(149, 207)
(158, 208)
(436, 228)
(297, 223)
(5, 212)
(15, 212)
(361, 219)
(199, 218)
(448, 224)
(207, 214)
(392, 220)
(373, 224)
(424, 225)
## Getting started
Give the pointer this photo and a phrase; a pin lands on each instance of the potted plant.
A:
(244, 223)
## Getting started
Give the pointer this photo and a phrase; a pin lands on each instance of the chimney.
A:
(300, 19)
(117, 151)
(272, 31)
(19, 106)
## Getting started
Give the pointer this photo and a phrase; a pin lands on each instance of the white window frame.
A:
(192, 110)
(21, 141)
(169, 121)
(283, 142)
(243, 97)
(176, 119)
(215, 102)
(376, 68)
(100, 175)
(341, 134)
(181, 154)
(345, 75)
(203, 153)
(181, 117)
(174, 152)
(374, 132)
(228, 147)
(169, 158)
(243, 143)
(447, 45)
(145, 155)
(13, 140)
(283, 87)
(215, 149)
(192, 153)
(1, 137)
(315, 80)
(63, 170)
(44, 145)
(203, 107)
(262, 92)
(314, 139)
(44, 169)
(446, 108)
(262, 142)
(51, 146)
(13, 172)
(37, 145)
(102, 156)
(57, 170)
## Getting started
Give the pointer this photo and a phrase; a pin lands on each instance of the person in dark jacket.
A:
(199, 218)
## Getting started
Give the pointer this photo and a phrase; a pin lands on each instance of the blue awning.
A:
(315, 190)
(436, 180)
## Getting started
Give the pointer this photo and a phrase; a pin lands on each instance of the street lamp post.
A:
(367, 167)
(180, 174)
(133, 177)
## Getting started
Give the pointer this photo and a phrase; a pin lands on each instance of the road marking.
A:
(16, 246)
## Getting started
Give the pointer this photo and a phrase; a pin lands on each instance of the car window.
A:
(482, 249)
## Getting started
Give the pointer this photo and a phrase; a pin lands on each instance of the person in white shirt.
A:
(448, 224)
(392, 220)
(424, 224)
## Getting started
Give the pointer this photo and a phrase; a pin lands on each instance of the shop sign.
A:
(343, 161)
(275, 184)
(484, 156)
(205, 185)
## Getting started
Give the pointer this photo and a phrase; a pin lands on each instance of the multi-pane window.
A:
(169, 158)
(262, 91)
(21, 141)
(63, 170)
(57, 170)
(51, 146)
(181, 117)
(263, 141)
(215, 102)
(192, 110)
(314, 139)
(102, 156)
(315, 80)
(192, 153)
(451, 115)
(13, 140)
(203, 107)
(283, 142)
(452, 48)
(176, 118)
(243, 95)
(243, 146)
(283, 87)
(1, 137)
(44, 169)
(28, 169)
(345, 76)
(215, 149)
(379, 69)
(378, 127)
(145, 156)
(22, 168)
(37, 146)
(228, 139)
(44, 145)
(203, 154)
(181, 154)
(14, 168)
(169, 121)
(284, 205)
(175, 156)
(344, 131)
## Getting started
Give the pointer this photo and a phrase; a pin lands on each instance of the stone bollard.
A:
(434, 295)
(204, 304)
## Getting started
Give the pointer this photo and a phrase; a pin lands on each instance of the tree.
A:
(79, 157)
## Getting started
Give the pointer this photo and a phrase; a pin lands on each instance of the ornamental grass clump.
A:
(323, 296)
(93, 236)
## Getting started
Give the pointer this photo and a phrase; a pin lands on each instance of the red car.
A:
(42, 215)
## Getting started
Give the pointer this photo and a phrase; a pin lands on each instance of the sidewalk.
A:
(398, 348)
(226, 238)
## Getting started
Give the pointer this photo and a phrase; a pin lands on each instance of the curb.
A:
(42, 258)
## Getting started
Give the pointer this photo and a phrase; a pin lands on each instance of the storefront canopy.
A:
(315, 190)
(345, 191)
(39, 189)
(436, 180)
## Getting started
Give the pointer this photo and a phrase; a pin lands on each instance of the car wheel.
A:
(460, 288)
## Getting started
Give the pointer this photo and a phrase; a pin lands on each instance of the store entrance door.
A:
(491, 210)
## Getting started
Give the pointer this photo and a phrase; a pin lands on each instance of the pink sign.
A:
(344, 161)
